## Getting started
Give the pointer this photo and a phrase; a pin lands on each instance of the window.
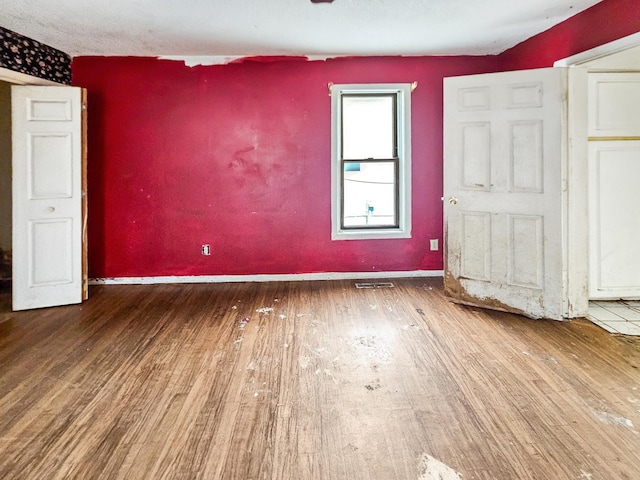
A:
(371, 161)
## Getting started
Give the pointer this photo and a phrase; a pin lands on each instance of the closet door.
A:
(614, 170)
(49, 212)
(614, 197)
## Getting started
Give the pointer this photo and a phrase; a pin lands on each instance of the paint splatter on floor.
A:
(431, 469)
(610, 418)
(328, 373)
(304, 362)
(265, 310)
(373, 349)
(375, 385)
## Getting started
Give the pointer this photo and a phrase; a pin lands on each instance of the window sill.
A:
(381, 234)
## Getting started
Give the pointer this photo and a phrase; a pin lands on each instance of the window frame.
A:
(402, 121)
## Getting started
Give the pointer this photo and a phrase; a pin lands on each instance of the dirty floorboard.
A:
(311, 380)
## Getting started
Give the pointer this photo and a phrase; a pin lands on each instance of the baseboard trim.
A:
(289, 277)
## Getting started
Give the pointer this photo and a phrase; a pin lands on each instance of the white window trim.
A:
(403, 90)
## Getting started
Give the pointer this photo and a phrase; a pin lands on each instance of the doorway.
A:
(7, 79)
(607, 155)
(470, 268)
(45, 106)
(5, 194)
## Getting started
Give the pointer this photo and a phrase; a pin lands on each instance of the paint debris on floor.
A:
(430, 468)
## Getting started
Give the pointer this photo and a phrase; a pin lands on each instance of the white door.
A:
(614, 196)
(48, 182)
(504, 161)
(614, 225)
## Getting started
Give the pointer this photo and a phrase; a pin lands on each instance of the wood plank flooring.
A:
(311, 380)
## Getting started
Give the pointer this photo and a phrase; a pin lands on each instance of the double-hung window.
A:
(371, 161)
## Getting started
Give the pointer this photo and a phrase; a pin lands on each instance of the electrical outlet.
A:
(206, 249)
(433, 244)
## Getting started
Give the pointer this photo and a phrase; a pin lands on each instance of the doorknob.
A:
(51, 209)
(453, 200)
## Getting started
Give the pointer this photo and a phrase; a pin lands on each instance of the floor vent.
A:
(375, 285)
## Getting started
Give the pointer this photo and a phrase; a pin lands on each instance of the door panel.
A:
(475, 165)
(50, 158)
(526, 157)
(614, 105)
(47, 196)
(475, 245)
(526, 251)
(504, 157)
(614, 196)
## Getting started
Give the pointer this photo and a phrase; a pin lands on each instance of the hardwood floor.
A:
(192, 381)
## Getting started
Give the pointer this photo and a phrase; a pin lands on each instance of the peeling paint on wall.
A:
(199, 61)
(209, 60)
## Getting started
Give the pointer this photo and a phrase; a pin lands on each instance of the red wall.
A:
(238, 156)
(605, 22)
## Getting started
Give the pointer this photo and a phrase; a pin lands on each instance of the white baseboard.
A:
(289, 277)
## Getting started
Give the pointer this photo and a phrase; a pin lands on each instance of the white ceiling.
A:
(284, 27)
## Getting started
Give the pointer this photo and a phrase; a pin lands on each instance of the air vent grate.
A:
(375, 285)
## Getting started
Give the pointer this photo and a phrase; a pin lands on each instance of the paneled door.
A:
(614, 196)
(504, 162)
(49, 262)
